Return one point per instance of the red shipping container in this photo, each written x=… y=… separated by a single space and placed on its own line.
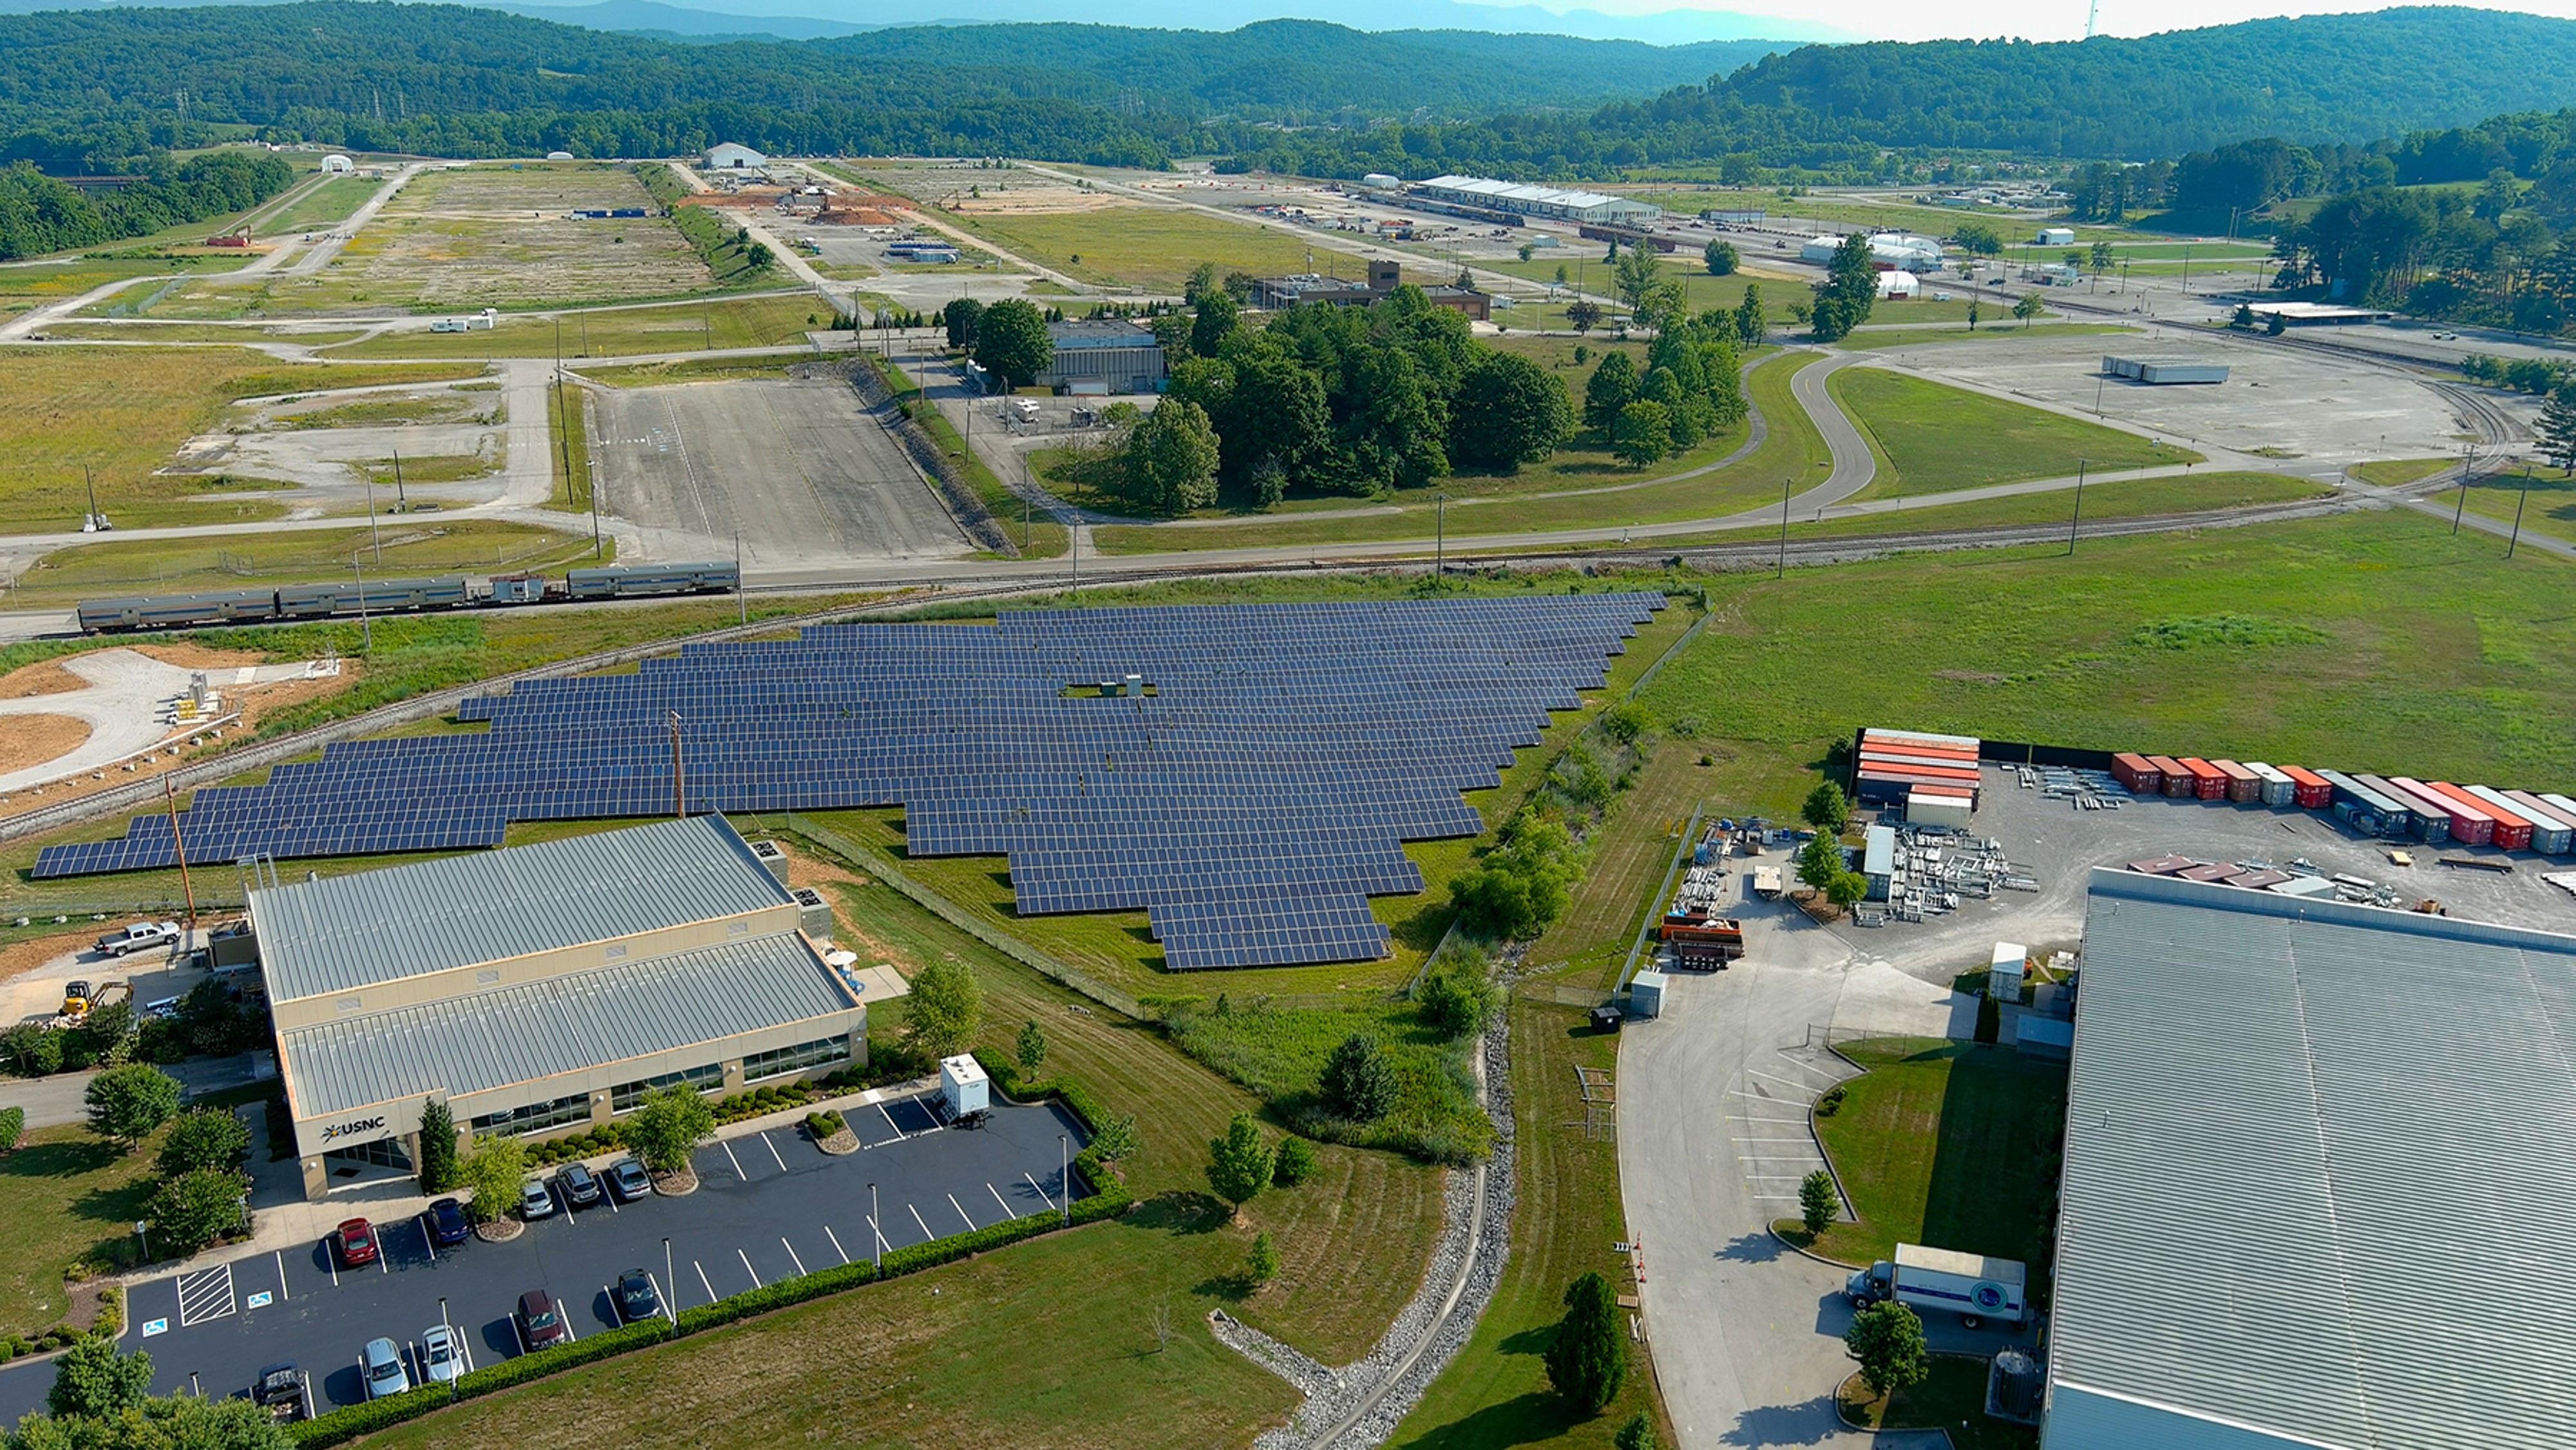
x=2138 y=773
x=2502 y=829
x=2242 y=784
x=2470 y=825
x=2314 y=791
x=2513 y=830
x=2207 y=781
x=2178 y=781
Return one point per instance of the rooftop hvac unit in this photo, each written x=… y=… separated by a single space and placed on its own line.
x=773 y=857
x=813 y=914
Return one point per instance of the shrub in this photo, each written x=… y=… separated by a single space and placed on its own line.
x=1588 y=1358
x=13 y=1126
x=1459 y=999
x=1262 y=1264
x=196 y=1208
x=826 y=1124
x=1293 y=1164
x=203 y=1138
x=1818 y=1201
x=1832 y=1101
x=1358 y=1083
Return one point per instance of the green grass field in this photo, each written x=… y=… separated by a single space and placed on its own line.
x=66 y=1196
x=687 y=370
x=124 y=411
x=1153 y=249
x=1936 y=438
x=2137 y=498
x=33 y=284
x=676 y=327
x=1953 y=1401
x=1987 y=331
x=2393 y=472
x=411 y=545
x=2551 y=508
x=200 y=332
x=1036 y=537
x=1943 y=1143
x=330 y=201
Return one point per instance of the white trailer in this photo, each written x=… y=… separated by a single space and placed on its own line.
x=963 y=1085
x=1972 y=1286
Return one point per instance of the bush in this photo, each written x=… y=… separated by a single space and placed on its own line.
x=825 y=1124
x=203 y=1138
x=1358 y=1084
x=13 y=1126
x=1293 y=1164
x=1832 y=1101
x=1459 y=999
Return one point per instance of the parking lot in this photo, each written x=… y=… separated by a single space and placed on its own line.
x=771 y=1206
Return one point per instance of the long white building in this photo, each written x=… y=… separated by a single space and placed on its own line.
x=1537 y=201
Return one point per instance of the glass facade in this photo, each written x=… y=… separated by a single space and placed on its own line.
x=779 y=1062
x=626 y=1097
x=536 y=1117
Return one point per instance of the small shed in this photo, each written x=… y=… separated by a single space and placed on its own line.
x=2004 y=971
x=336 y=164
x=1646 y=994
x=2057 y=236
x=963 y=1086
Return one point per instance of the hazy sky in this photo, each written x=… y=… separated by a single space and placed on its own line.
x=2027 y=19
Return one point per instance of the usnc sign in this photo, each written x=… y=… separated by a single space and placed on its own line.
x=354 y=1129
x=1989 y=1297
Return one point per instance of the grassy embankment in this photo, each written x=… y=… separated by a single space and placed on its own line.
x=715 y=324
x=1037 y=538
x=1153 y=249
x=400 y=546
x=1932 y=438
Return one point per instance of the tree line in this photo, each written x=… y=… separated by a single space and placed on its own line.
x=39 y=214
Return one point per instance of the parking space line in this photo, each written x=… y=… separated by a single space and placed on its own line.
x=702 y=1280
x=205 y=1295
x=961 y=1212
x=836 y=1243
x=890 y=1122
x=736 y=1162
x=916 y=1218
x=1795 y=1087
x=773 y=1152
x=793 y=1257
x=280 y=1256
x=427 y=1241
x=1737 y=1118
x=747 y=1268
x=331 y=1261
x=1042 y=1193
x=997 y=1198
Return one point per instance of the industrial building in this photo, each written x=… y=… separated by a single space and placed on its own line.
x=1383 y=277
x=2315 y=1178
x=336 y=164
x=1104 y=355
x=1535 y=201
x=726 y=156
x=544 y=987
x=1889 y=251
x=1918 y=770
x=2164 y=371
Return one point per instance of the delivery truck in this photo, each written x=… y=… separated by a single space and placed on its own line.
x=1971 y=1286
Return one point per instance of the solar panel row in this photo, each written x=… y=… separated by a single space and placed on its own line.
x=1251 y=800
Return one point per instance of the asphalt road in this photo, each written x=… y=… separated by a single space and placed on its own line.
x=771 y=1206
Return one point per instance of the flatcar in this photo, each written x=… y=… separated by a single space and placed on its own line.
x=400 y=596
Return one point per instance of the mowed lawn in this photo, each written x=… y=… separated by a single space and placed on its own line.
x=677 y=327
x=2371 y=641
x=63 y=1196
x=1155 y=248
x=1952 y=1400
x=124 y=412
x=1947 y=1144
x=410 y=547
x=2135 y=498
x=2550 y=509
x=1936 y=438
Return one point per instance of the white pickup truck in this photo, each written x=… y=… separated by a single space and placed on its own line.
x=1971 y=1286
x=138 y=936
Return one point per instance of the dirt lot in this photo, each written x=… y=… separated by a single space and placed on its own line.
x=253 y=702
x=1044 y=199
x=797 y=466
x=35 y=739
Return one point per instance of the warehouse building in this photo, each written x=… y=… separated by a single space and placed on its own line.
x=2316 y=1163
x=1536 y=201
x=1104 y=355
x=1888 y=252
x=544 y=988
x=1273 y=293
x=726 y=156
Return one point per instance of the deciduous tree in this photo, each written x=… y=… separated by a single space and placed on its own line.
x=1644 y=433
x=1827 y=809
x=92 y=1381
x=1239 y=1164
x=203 y=1138
x=1171 y=459
x=1509 y=411
x=1011 y=341
x=1032 y=1048
x=1721 y=258
x=1588 y=1358
x=128 y=1103
x=668 y=1127
x=196 y=1208
x=491 y=1175
x=946 y=1006
x=1887 y=1341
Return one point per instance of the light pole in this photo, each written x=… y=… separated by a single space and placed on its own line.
x=670 y=1309
x=2512 y=543
x=373 y=532
x=2468 y=465
x=1440 y=538
x=875 y=1233
x=679 y=781
x=366 y=630
x=402 y=504
x=1782 y=570
x=1064 y=1174
x=2079 y=505
x=91 y=484
x=742 y=602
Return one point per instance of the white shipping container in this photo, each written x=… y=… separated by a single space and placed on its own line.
x=963 y=1084
x=1937 y=808
x=2278 y=788
x=2004 y=971
x=1646 y=994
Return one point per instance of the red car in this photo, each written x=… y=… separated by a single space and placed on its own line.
x=356 y=1241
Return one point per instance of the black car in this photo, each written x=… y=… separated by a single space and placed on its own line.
x=580 y=1186
x=447 y=1225
x=638 y=1299
x=280 y=1391
x=628 y=1180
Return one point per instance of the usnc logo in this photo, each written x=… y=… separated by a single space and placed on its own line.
x=352 y=1128
x=1989 y=1296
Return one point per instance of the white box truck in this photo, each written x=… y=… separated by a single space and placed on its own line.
x=1971 y=1286
x=965 y=1091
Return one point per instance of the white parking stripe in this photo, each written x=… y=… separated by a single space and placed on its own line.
x=880 y=1233
x=916 y=1218
x=736 y=1162
x=747 y=1268
x=773 y=1152
x=891 y=1123
x=1737 y=1118
x=997 y=1198
x=280 y=1256
x=702 y=1280
x=836 y=1243
x=1795 y=1087
x=792 y=1256
x=1042 y=1193
x=961 y=1212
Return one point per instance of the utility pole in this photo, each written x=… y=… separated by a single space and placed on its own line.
x=1440 y=539
x=2079 y=505
x=2468 y=465
x=402 y=505
x=366 y=630
x=679 y=781
x=92 y=486
x=742 y=603
x=170 y=798
x=1782 y=571
x=372 y=531
x=2509 y=545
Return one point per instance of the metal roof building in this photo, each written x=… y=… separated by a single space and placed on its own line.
x=540 y=987
x=1541 y=201
x=2316 y=1181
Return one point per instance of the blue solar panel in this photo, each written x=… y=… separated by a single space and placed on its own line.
x=1251 y=802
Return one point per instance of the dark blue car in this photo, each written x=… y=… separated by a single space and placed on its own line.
x=447 y=1223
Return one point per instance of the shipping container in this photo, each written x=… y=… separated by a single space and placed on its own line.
x=2425 y=820
x=2178 y=781
x=2209 y=873
x=2470 y=825
x=2514 y=831
x=2278 y=788
x=1928 y=762
x=2207 y=781
x=2552 y=832
x=2138 y=773
x=2243 y=785
x=1924 y=737
x=2315 y=792
x=1925 y=806
x=2565 y=806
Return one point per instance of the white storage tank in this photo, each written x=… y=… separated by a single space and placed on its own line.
x=963 y=1086
x=2004 y=971
x=1646 y=994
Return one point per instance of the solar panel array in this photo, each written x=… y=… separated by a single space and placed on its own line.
x=1252 y=800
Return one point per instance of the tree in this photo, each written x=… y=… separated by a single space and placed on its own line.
x=1820 y=861
x=1887 y=1340
x=960 y=317
x=1582 y=314
x=1974 y=312
x=1612 y=386
x=1644 y=433
x=1215 y=321
x=1851 y=284
x=1460 y=1000
x=2244 y=315
x=1239 y=1163
x=1115 y=1138
x=947 y=1003
x=2271 y=328
x=1636 y=275
x=1011 y=341
x=203 y=1138
x=1509 y=411
x=491 y=1175
x=196 y=1208
x=1750 y=325
x=1638 y=1434
x=128 y=1103
x=33 y=1048
x=2028 y=306
x=1171 y=459
x=92 y=1381
x=1826 y=809
x=1032 y=1048
x=1736 y=168
x=173 y=1422
x=13 y=1126
x=1358 y=1082
x=1818 y=1201
x=2556 y=432
x=1526 y=249
x=2102 y=258
x=1721 y=258
x=1560 y=274
x=437 y=1148
x=1262 y=1264
x=1202 y=282
x=1979 y=240
x=1588 y=1358
x=1294 y=1163
x=669 y=1126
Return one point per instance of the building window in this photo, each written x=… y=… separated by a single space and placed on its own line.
x=382 y=1153
x=536 y=1117
x=779 y=1062
x=626 y=1097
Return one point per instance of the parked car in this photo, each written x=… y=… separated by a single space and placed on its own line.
x=628 y=1180
x=540 y=1321
x=280 y=1391
x=447 y=1223
x=136 y=937
x=638 y=1299
x=442 y=1359
x=581 y=1187
x=380 y=1364
x=356 y=1241
x=536 y=1201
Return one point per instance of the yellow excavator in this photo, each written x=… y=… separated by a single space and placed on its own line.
x=82 y=998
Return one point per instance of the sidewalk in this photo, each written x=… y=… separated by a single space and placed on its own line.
x=281 y=1218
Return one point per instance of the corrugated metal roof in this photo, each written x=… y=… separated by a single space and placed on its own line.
x=581 y=1020
x=2317 y=1162
x=346 y=932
